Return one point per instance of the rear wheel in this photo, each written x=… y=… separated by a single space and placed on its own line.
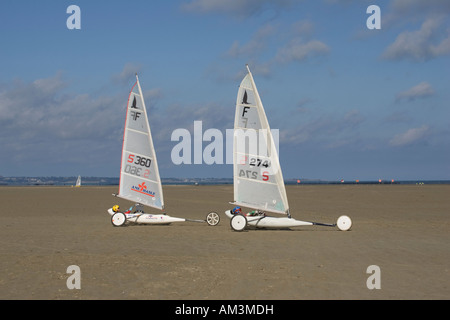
x=213 y=219
x=344 y=223
x=118 y=219
x=238 y=222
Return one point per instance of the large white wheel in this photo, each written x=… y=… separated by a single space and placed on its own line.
x=118 y=219
x=213 y=219
x=238 y=222
x=344 y=223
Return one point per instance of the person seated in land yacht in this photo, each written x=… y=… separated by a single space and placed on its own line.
x=237 y=210
x=138 y=208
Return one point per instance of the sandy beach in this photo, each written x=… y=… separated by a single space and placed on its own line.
x=402 y=229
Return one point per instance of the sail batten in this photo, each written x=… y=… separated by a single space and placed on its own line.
x=149 y=180
x=258 y=180
x=137 y=131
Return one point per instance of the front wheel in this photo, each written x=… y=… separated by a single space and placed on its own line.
x=213 y=219
x=238 y=222
x=118 y=219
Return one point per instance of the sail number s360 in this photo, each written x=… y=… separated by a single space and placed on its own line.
x=142 y=161
x=137 y=170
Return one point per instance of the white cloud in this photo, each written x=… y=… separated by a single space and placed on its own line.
x=295 y=45
x=422 y=90
x=39 y=109
x=353 y=118
x=302 y=28
x=300 y=46
x=299 y=50
x=255 y=45
x=407 y=8
x=271 y=45
x=429 y=42
x=326 y=130
x=410 y=136
x=128 y=72
x=40 y=125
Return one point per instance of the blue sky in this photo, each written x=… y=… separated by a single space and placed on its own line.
x=349 y=102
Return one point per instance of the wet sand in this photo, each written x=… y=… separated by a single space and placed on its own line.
x=403 y=229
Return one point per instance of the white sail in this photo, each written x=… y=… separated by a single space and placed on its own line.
x=78 y=183
x=258 y=181
x=139 y=175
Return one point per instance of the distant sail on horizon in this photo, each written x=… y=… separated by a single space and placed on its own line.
x=78 y=183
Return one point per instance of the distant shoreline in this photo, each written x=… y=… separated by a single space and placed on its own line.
x=108 y=181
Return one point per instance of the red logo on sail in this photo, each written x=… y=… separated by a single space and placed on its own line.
x=142 y=188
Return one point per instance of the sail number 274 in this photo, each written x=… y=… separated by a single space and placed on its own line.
x=140 y=161
x=254 y=162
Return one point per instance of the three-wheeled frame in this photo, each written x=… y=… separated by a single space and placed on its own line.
x=239 y=222
x=135 y=214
